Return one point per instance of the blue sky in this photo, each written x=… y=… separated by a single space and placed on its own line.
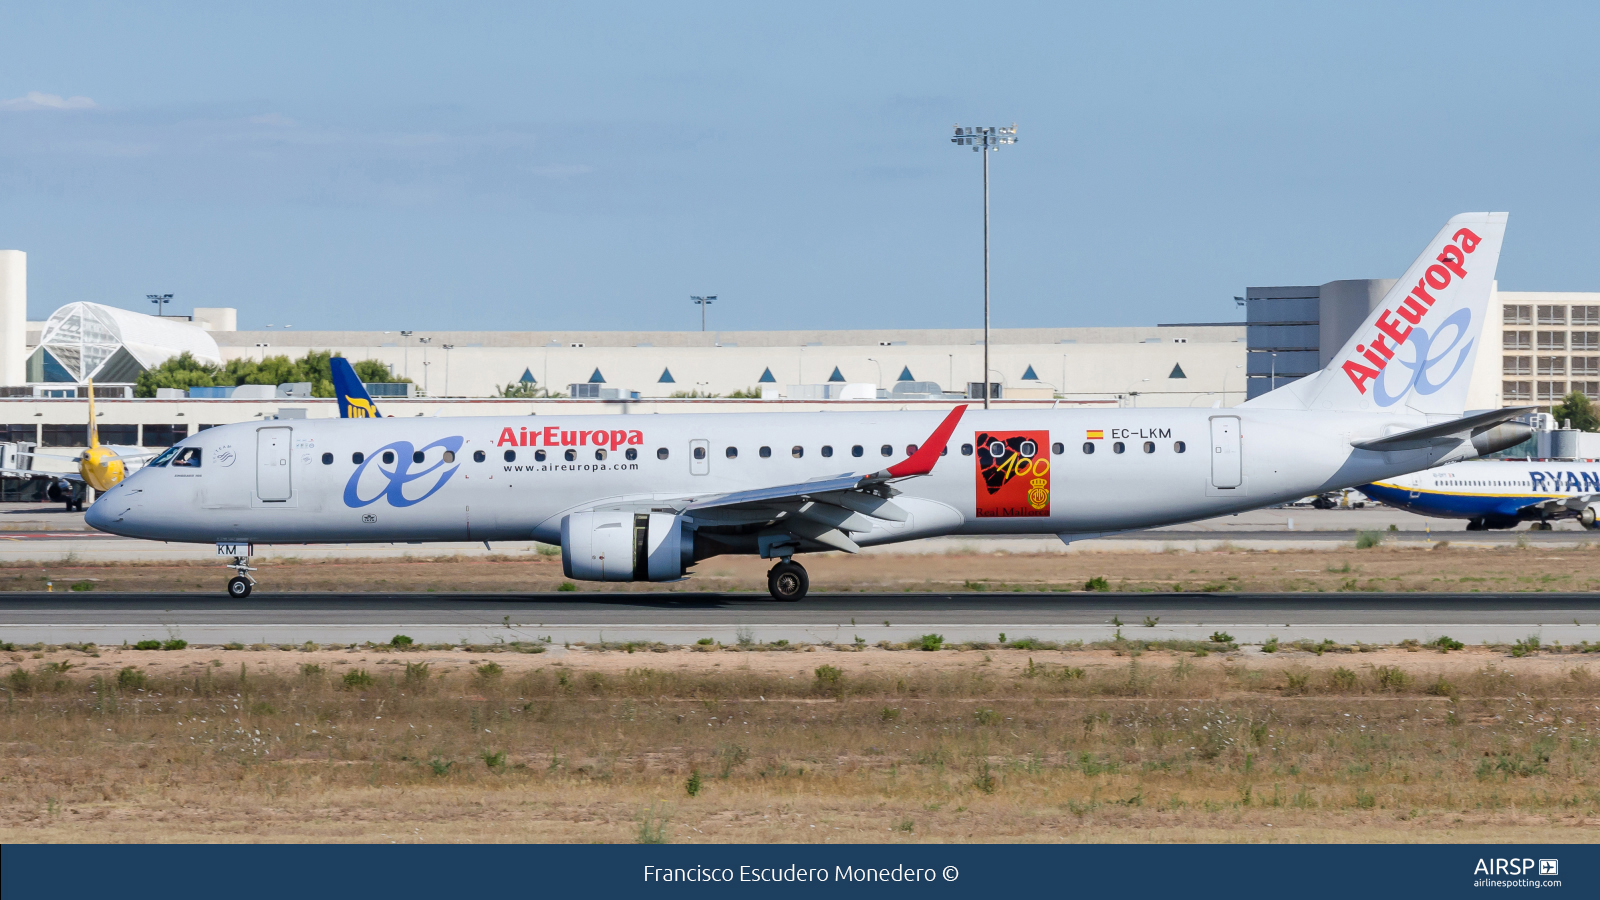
x=590 y=166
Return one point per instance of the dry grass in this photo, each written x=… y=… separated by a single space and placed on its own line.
x=869 y=745
x=1379 y=568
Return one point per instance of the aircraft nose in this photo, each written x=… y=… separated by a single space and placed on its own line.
x=109 y=513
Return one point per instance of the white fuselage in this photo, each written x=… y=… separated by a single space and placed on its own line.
x=300 y=481
x=1500 y=492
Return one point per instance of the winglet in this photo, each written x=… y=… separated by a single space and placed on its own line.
x=921 y=462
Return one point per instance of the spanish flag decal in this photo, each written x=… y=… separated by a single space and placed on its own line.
x=1095 y=434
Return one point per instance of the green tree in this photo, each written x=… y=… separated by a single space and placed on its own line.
x=1577 y=409
x=184 y=371
x=525 y=390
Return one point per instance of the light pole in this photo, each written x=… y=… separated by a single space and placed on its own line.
x=161 y=301
x=703 y=302
x=1274 y=372
x=979 y=139
x=447 y=349
x=880 y=369
x=425 y=342
x=405 y=337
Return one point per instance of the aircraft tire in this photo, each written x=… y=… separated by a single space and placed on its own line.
x=787 y=581
x=239 y=587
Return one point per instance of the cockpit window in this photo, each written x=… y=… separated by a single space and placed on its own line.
x=188 y=457
x=165 y=457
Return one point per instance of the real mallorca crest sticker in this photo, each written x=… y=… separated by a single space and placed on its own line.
x=1013 y=474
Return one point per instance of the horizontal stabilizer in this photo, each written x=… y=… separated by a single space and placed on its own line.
x=1453 y=432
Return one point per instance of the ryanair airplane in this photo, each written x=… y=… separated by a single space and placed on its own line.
x=1494 y=493
x=354 y=401
x=644 y=498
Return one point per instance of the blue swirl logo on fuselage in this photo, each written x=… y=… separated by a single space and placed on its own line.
x=1419 y=365
x=401 y=475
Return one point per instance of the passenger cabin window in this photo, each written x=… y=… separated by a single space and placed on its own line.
x=479 y=456
x=856 y=450
x=1030 y=449
x=797 y=451
x=449 y=456
x=600 y=454
x=357 y=457
x=886 y=450
x=388 y=457
x=827 y=451
x=699 y=453
x=327 y=459
x=1179 y=446
x=416 y=456
x=966 y=449
x=165 y=457
x=631 y=453
x=1119 y=447
x=188 y=457
x=1058 y=448
x=661 y=453
x=1149 y=446
x=1088 y=447
x=911 y=449
x=509 y=456
x=764 y=452
x=732 y=452
x=570 y=455
x=539 y=456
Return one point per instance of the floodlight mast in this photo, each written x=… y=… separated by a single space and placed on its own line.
x=982 y=138
x=703 y=302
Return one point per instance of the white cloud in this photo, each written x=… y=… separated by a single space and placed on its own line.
x=36 y=100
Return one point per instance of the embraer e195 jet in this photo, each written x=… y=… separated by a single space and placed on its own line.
x=643 y=498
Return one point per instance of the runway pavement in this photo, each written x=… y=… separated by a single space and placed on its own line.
x=682 y=618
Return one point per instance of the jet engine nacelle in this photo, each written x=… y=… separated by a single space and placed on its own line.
x=624 y=545
x=1500 y=437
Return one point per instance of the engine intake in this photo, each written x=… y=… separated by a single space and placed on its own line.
x=624 y=545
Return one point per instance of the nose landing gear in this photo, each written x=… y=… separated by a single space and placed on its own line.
x=239 y=586
x=788 y=581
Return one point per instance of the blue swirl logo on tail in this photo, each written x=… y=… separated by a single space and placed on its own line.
x=401 y=475
x=1424 y=358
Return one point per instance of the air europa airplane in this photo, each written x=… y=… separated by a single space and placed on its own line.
x=643 y=498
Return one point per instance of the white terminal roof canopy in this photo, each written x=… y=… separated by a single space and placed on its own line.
x=81 y=341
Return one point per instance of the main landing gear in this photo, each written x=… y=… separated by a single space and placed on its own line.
x=239 y=585
x=788 y=581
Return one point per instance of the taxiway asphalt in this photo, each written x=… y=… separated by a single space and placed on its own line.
x=683 y=618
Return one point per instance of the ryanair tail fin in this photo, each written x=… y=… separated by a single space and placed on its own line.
x=354 y=403
x=1415 y=351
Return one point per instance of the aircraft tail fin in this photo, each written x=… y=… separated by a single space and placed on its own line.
x=94 y=431
x=354 y=402
x=1416 y=350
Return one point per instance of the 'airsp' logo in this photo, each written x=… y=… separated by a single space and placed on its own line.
x=400 y=474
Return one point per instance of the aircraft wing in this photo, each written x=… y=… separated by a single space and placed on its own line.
x=39 y=473
x=1558 y=506
x=827 y=510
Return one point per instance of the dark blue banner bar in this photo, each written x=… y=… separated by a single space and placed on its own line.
x=278 y=872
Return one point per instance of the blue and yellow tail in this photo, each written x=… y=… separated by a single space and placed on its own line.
x=354 y=402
